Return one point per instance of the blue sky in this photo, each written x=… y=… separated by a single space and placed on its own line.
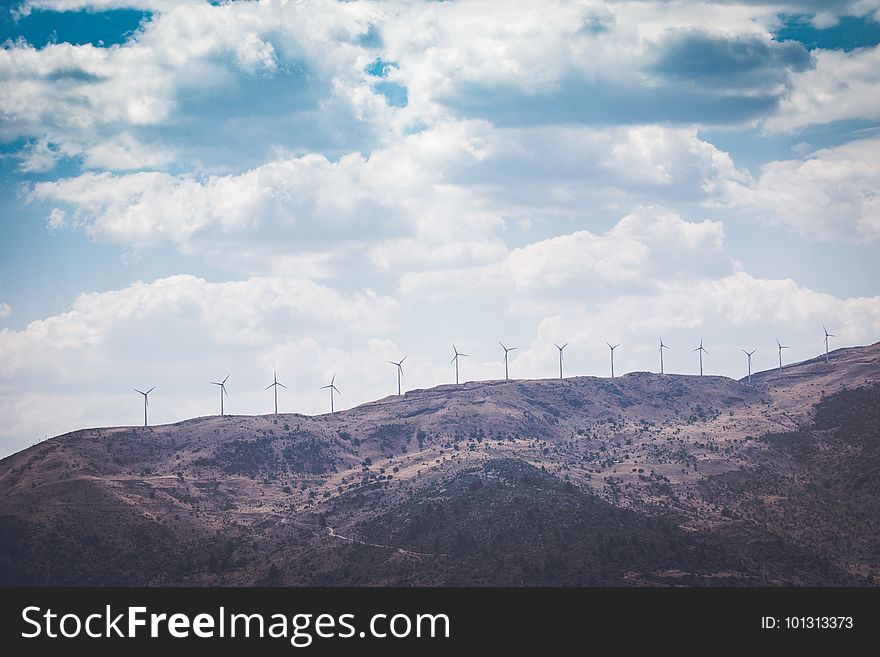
x=192 y=189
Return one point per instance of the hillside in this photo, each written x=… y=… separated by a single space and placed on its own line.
x=643 y=480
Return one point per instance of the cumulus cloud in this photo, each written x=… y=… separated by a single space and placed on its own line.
x=831 y=194
x=396 y=193
x=123 y=152
x=842 y=85
x=444 y=195
x=740 y=61
x=98 y=328
x=647 y=245
x=5 y=310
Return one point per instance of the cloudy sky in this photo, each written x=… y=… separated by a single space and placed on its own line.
x=196 y=189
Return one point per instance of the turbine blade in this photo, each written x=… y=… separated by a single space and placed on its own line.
x=453 y=358
x=151 y=390
x=465 y=355
x=281 y=384
x=224 y=380
x=512 y=349
x=140 y=391
x=333 y=380
x=225 y=392
x=269 y=386
x=502 y=345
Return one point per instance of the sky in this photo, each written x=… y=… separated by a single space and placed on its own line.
x=197 y=189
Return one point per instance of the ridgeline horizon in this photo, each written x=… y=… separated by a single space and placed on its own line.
x=751 y=379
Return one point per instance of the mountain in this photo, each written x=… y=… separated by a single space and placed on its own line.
x=645 y=479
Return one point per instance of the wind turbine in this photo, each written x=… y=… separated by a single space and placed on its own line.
x=749 y=355
x=662 y=347
x=399 y=366
x=560 y=356
x=275 y=385
x=506 y=350
x=146 y=403
x=333 y=388
x=701 y=350
x=455 y=358
x=612 y=356
x=781 y=347
x=827 y=335
x=222 y=385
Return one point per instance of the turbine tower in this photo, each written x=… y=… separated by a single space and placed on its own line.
x=612 y=348
x=275 y=385
x=399 y=366
x=560 y=356
x=222 y=385
x=702 y=351
x=146 y=403
x=333 y=389
x=662 y=347
x=506 y=351
x=749 y=356
x=827 y=335
x=781 y=347
x=455 y=358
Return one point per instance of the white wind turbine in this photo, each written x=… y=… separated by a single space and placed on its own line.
x=781 y=347
x=146 y=403
x=827 y=335
x=455 y=358
x=560 y=356
x=702 y=351
x=399 y=366
x=749 y=356
x=333 y=388
x=275 y=385
x=222 y=385
x=662 y=347
x=612 y=348
x=506 y=351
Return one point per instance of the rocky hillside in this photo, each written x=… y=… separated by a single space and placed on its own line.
x=643 y=480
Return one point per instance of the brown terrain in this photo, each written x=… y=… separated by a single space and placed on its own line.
x=641 y=480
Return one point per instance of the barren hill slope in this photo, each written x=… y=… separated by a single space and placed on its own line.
x=644 y=479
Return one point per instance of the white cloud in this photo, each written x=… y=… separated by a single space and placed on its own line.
x=100 y=327
x=665 y=157
x=56 y=219
x=256 y=56
x=41 y=155
x=842 y=85
x=5 y=310
x=649 y=244
x=833 y=194
x=123 y=152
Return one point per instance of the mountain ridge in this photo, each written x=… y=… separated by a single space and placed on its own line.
x=251 y=499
